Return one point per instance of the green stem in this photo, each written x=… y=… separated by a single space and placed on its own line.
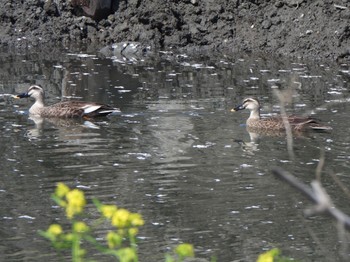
x=100 y=247
x=76 y=254
x=133 y=245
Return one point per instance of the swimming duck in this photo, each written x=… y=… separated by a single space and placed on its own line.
x=67 y=109
x=297 y=123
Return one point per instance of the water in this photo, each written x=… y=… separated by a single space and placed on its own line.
x=176 y=153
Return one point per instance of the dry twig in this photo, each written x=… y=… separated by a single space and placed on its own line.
x=316 y=194
x=286 y=124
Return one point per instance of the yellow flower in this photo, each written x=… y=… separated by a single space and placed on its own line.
x=76 y=198
x=121 y=218
x=80 y=227
x=108 y=210
x=113 y=239
x=133 y=231
x=136 y=220
x=268 y=256
x=75 y=202
x=184 y=250
x=55 y=229
x=68 y=237
x=127 y=254
x=61 y=190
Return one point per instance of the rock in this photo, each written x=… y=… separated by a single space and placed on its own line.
x=50 y=8
x=126 y=51
x=266 y=24
x=293 y=3
x=279 y=4
x=96 y=9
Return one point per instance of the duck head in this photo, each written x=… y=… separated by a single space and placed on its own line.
x=252 y=104
x=249 y=103
x=34 y=91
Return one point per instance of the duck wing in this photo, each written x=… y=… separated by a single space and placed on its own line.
x=71 y=109
x=297 y=123
x=96 y=110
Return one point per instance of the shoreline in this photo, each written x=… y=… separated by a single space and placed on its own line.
x=317 y=30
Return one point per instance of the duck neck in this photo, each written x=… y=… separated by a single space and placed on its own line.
x=37 y=106
x=254 y=114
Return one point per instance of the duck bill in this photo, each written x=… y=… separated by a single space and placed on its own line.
x=23 y=95
x=237 y=108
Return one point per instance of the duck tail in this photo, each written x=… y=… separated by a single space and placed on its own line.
x=318 y=127
x=109 y=111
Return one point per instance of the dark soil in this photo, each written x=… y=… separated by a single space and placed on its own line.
x=317 y=29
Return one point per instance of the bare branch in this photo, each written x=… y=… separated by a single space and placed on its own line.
x=320 y=166
x=340 y=184
x=316 y=194
x=285 y=123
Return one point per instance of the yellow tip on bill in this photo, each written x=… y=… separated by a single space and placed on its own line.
x=232 y=110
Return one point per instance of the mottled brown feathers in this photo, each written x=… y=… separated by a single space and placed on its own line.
x=296 y=123
x=67 y=109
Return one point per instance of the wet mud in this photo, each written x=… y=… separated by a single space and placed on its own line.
x=318 y=29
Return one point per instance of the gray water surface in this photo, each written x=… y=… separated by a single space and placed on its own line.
x=176 y=153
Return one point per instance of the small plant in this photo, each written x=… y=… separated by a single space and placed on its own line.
x=120 y=241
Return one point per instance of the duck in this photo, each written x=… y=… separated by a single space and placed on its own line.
x=65 y=109
x=297 y=123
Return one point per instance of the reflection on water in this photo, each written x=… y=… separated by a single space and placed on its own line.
x=175 y=153
x=76 y=126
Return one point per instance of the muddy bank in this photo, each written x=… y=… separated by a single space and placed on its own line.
x=311 y=29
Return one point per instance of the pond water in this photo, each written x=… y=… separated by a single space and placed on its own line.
x=175 y=153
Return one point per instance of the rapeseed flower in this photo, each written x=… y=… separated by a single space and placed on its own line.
x=127 y=254
x=61 y=190
x=120 y=218
x=136 y=220
x=55 y=229
x=133 y=231
x=108 y=210
x=184 y=250
x=113 y=239
x=269 y=256
x=80 y=227
x=69 y=237
x=75 y=202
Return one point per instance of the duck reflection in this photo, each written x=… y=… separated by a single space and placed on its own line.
x=250 y=146
x=256 y=135
x=62 y=124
